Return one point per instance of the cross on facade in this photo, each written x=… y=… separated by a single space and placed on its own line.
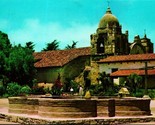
x=146 y=74
x=146 y=67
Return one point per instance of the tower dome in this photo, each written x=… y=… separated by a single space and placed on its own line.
x=109 y=19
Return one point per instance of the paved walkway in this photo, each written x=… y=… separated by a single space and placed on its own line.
x=4 y=108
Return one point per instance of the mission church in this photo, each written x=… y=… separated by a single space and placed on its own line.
x=109 y=52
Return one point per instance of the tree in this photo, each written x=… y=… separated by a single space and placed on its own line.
x=5 y=47
x=52 y=46
x=71 y=46
x=20 y=65
x=5 y=44
x=133 y=82
x=16 y=62
x=30 y=45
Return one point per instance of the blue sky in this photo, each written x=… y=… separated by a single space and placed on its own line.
x=42 y=21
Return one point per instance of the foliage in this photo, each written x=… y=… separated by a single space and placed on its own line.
x=25 y=90
x=5 y=44
x=105 y=81
x=71 y=46
x=151 y=93
x=56 y=91
x=74 y=85
x=98 y=90
x=54 y=45
x=46 y=90
x=30 y=45
x=13 y=89
x=133 y=82
x=140 y=93
x=2 y=90
x=20 y=65
x=5 y=95
x=105 y=86
x=38 y=90
x=5 y=47
x=17 y=62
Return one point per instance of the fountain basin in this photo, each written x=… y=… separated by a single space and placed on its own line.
x=80 y=108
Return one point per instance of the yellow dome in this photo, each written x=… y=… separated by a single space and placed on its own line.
x=109 y=19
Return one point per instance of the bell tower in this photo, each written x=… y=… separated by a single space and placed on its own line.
x=109 y=39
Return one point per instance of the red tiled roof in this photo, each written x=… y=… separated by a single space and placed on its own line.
x=127 y=58
x=127 y=72
x=58 y=57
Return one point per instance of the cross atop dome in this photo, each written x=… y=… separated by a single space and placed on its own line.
x=108 y=9
x=108 y=3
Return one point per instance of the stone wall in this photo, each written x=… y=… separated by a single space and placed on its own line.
x=62 y=108
x=132 y=107
x=80 y=108
x=23 y=105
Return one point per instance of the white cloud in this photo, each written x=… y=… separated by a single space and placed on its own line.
x=33 y=30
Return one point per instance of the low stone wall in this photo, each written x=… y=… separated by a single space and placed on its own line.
x=105 y=107
x=62 y=108
x=80 y=108
x=23 y=105
x=132 y=107
x=18 y=105
x=32 y=106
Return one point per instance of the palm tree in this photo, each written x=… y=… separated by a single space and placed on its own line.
x=30 y=45
x=54 y=45
x=71 y=46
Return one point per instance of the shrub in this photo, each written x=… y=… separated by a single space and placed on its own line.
x=56 y=91
x=140 y=93
x=25 y=90
x=151 y=93
x=98 y=90
x=38 y=90
x=46 y=90
x=5 y=95
x=57 y=88
x=13 y=89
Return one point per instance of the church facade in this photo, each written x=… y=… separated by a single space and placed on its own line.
x=109 y=39
x=113 y=54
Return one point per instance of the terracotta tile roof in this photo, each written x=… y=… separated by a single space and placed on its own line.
x=127 y=58
x=58 y=57
x=127 y=72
